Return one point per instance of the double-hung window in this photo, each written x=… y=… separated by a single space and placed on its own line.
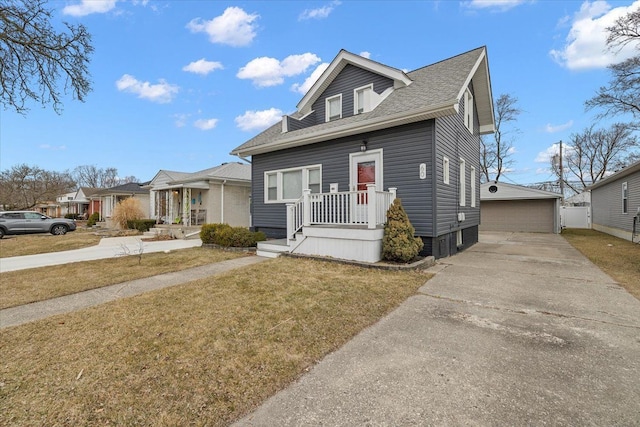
x=362 y=99
x=334 y=108
x=286 y=185
x=445 y=170
x=625 y=198
x=472 y=181
x=463 y=183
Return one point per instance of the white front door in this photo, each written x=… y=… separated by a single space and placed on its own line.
x=364 y=168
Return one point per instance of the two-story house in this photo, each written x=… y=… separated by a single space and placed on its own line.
x=365 y=133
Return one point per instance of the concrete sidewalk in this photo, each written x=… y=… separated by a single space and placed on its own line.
x=39 y=310
x=520 y=329
x=108 y=247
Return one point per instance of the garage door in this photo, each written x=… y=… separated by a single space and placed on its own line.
x=534 y=216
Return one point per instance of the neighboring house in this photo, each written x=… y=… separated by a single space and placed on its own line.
x=66 y=204
x=78 y=202
x=365 y=133
x=221 y=194
x=615 y=203
x=110 y=197
x=509 y=207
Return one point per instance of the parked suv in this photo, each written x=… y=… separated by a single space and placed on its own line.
x=22 y=222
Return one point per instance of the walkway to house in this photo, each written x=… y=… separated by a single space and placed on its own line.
x=39 y=310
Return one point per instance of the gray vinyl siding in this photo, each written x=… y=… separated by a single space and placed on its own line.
x=349 y=79
x=293 y=124
x=606 y=203
x=404 y=149
x=454 y=141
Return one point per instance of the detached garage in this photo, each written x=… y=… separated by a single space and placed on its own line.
x=508 y=207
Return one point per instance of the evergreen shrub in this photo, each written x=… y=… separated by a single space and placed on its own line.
x=226 y=236
x=93 y=218
x=399 y=242
x=141 y=224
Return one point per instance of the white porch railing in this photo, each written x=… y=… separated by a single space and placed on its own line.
x=346 y=208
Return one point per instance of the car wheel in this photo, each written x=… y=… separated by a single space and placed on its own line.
x=59 y=230
x=1 y=233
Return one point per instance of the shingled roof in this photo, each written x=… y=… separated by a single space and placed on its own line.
x=434 y=91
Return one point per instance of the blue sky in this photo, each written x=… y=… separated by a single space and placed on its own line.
x=178 y=84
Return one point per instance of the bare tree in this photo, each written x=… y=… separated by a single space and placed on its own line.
x=496 y=152
x=594 y=153
x=93 y=176
x=622 y=96
x=24 y=186
x=34 y=56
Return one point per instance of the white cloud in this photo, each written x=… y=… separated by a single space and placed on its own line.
x=549 y=128
x=500 y=5
x=304 y=87
x=585 y=45
x=53 y=147
x=202 y=66
x=365 y=54
x=319 y=13
x=161 y=93
x=205 y=124
x=265 y=71
x=258 y=120
x=234 y=27
x=87 y=7
x=546 y=155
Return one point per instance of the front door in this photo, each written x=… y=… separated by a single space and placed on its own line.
x=365 y=168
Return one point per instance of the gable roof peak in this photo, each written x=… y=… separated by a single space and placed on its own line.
x=342 y=59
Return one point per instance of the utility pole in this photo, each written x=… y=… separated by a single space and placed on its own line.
x=561 y=176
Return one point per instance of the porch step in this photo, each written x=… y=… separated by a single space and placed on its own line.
x=272 y=248
x=153 y=232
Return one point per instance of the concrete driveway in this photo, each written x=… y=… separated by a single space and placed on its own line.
x=520 y=329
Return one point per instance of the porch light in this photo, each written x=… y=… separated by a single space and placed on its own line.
x=363 y=145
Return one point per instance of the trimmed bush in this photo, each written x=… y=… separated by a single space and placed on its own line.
x=141 y=224
x=230 y=237
x=127 y=210
x=93 y=218
x=399 y=243
x=72 y=216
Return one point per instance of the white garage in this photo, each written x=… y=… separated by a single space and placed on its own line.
x=508 y=207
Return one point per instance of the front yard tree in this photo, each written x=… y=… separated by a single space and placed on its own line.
x=24 y=186
x=496 y=150
x=35 y=57
x=399 y=242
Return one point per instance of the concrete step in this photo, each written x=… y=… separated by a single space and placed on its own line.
x=268 y=253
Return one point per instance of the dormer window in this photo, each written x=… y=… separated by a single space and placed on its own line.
x=362 y=99
x=334 y=108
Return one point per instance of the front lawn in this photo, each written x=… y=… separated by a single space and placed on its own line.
x=202 y=354
x=619 y=258
x=30 y=244
x=38 y=284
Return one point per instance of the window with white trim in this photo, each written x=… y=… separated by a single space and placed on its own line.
x=286 y=185
x=362 y=99
x=445 y=170
x=468 y=110
x=472 y=179
x=463 y=184
x=625 y=198
x=333 y=108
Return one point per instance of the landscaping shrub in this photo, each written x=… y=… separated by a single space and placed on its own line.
x=141 y=224
x=399 y=242
x=227 y=236
x=93 y=218
x=72 y=216
x=127 y=210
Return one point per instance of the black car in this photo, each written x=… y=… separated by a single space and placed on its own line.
x=23 y=222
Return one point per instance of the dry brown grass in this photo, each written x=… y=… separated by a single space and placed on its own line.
x=203 y=353
x=618 y=258
x=38 y=284
x=30 y=244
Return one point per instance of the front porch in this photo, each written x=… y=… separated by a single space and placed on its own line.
x=347 y=225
